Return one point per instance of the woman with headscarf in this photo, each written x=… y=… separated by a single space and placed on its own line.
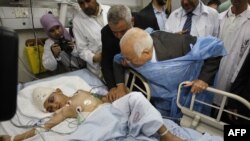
x=60 y=52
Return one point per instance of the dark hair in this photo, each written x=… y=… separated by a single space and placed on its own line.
x=217 y=2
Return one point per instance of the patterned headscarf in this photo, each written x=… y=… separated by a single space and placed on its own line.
x=48 y=21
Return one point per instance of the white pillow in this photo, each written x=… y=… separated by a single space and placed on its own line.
x=68 y=84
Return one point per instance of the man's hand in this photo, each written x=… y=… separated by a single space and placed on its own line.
x=182 y=32
x=111 y=94
x=116 y=93
x=97 y=57
x=197 y=86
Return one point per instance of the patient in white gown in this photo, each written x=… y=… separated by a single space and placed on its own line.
x=131 y=117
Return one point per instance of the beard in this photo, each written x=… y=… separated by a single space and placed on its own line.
x=89 y=11
x=161 y=2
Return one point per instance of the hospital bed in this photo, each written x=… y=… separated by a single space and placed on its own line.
x=85 y=80
x=26 y=116
x=204 y=123
x=135 y=82
x=191 y=118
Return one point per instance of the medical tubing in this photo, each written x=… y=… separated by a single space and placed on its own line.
x=40 y=129
x=39 y=133
x=30 y=124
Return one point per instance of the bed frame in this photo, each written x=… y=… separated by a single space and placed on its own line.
x=192 y=119
x=204 y=123
x=136 y=82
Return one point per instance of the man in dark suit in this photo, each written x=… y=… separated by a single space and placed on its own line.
x=154 y=15
x=241 y=87
x=150 y=56
x=119 y=21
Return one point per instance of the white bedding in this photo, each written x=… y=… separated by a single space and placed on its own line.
x=131 y=118
x=68 y=84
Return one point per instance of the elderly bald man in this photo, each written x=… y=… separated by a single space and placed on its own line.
x=166 y=59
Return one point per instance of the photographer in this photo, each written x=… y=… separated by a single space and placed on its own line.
x=60 y=54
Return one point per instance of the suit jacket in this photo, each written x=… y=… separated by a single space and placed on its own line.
x=241 y=87
x=146 y=18
x=169 y=46
x=110 y=47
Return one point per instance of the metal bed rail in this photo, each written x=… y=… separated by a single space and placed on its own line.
x=131 y=81
x=203 y=123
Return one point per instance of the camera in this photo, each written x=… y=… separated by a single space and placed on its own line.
x=63 y=43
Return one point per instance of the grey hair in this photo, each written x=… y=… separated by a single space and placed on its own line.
x=119 y=12
x=141 y=40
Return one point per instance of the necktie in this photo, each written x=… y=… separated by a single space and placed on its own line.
x=188 y=23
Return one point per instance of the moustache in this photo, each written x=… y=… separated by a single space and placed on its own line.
x=161 y=2
x=89 y=11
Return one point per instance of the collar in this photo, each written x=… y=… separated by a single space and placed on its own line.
x=153 y=59
x=230 y=13
x=242 y=14
x=158 y=11
x=199 y=10
x=100 y=9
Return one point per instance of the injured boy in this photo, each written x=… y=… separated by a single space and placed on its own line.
x=131 y=117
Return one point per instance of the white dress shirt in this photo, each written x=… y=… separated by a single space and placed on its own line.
x=235 y=32
x=205 y=21
x=161 y=17
x=87 y=32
